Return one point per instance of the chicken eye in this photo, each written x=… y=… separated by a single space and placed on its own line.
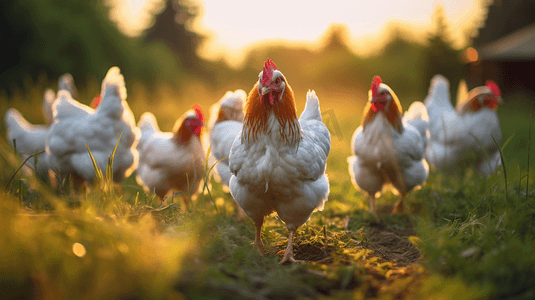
x=278 y=81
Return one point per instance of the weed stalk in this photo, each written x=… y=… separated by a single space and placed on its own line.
x=504 y=171
x=529 y=146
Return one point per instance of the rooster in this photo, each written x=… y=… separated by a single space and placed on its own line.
x=77 y=127
x=388 y=148
x=226 y=124
x=169 y=160
x=278 y=162
x=466 y=129
x=29 y=138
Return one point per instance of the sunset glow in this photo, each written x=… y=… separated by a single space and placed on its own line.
x=235 y=25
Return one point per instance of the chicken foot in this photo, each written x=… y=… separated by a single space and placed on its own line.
x=258 y=239
x=289 y=252
x=398 y=206
x=372 y=206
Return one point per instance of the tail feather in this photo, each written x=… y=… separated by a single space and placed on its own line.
x=417 y=116
x=66 y=107
x=30 y=138
x=234 y=100
x=462 y=92
x=48 y=100
x=230 y=105
x=113 y=84
x=66 y=82
x=16 y=125
x=312 y=108
x=438 y=98
x=148 y=122
x=416 y=112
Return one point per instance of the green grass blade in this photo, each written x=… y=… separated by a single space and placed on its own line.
x=188 y=191
x=20 y=194
x=508 y=140
x=110 y=164
x=98 y=172
x=529 y=147
x=20 y=167
x=504 y=169
x=207 y=177
x=35 y=161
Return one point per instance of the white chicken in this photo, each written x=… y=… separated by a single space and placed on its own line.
x=225 y=124
x=29 y=138
x=169 y=160
x=388 y=148
x=278 y=162
x=466 y=130
x=77 y=125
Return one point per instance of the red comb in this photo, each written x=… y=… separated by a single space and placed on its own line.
x=199 y=112
x=493 y=87
x=375 y=86
x=95 y=102
x=267 y=72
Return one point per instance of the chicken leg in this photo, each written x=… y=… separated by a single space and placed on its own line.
x=258 y=239
x=372 y=206
x=289 y=252
x=398 y=206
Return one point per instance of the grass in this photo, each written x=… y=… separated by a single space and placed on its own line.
x=475 y=243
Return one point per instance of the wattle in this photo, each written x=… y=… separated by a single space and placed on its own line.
x=271 y=96
x=377 y=107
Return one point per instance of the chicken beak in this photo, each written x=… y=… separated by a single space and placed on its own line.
x=373 y=99
x=499 y=99
x=265 y=90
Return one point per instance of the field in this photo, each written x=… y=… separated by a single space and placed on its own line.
x=462 y=237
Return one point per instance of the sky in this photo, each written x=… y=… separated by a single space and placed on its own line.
x=236 y=25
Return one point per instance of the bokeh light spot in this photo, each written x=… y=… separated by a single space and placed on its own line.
x=471 y=54
x=78 y=250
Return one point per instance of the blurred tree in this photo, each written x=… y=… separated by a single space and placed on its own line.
x=336 y=38
x=397 y=63
x=75 y=36
x=440 y=57
x=173 y=27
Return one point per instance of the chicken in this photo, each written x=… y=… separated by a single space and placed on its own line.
x=169 y=160
x=466 y=130
x=65 y=82
x=388 y=148
x=77 y=126
x=226 y=124
x=29 y=138
x=278 y=162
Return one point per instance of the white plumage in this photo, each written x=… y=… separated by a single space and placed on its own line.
x=225 y=124
x=29 y=138
x=388 y=149
x=278 y=162
x=168 y=160
x=466 y=130
x=76 y=125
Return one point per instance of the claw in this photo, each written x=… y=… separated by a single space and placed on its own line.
x=289 y=253
x=259 y=245
x=288 y=259
x=398 y=206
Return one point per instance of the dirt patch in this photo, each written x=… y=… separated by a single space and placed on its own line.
x=310 y=252
x=392 y=247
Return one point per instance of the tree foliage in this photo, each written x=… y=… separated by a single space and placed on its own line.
x=75 y=36
x=440 y=56
x=173 y=27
